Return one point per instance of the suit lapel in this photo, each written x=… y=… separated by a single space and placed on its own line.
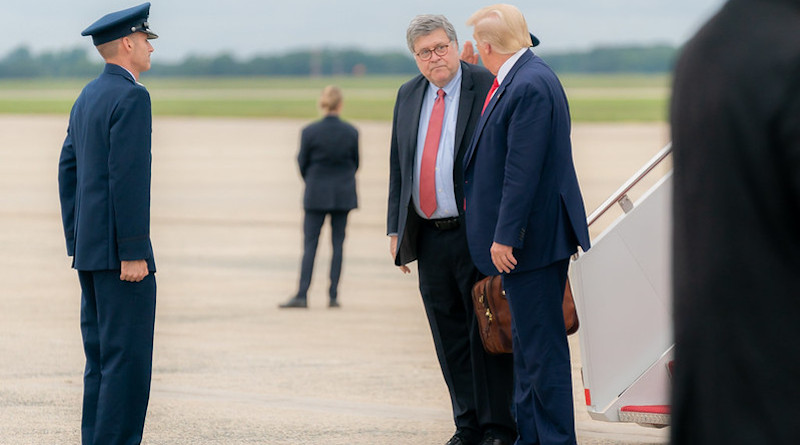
x=479 y=129
x=414 y=109
x=464 y=106
x=492 y=103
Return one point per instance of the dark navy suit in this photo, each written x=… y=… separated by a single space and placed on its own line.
x=328 y=160
x=522 y=191
x=104 y=187
x=480 y=384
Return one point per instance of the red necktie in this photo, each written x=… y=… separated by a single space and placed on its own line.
x=489 y=96
x=427 y=172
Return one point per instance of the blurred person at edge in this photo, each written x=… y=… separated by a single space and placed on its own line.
x=434 y=117
x=328 y=161
x=735 y=119
x=104 y=189
x=525 y=216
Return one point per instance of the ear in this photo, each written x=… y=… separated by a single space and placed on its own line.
x=127 y=43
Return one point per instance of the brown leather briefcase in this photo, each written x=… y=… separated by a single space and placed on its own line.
x=494 y=315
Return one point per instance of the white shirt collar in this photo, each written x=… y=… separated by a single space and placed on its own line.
x=132 y=76
x=506 y=67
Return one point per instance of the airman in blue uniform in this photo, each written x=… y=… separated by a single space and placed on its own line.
x=104 y=187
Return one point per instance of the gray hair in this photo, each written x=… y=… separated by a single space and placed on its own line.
x=422 y=25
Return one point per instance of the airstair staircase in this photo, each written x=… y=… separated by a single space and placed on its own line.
x=622 y=290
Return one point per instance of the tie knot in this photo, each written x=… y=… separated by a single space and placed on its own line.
x=440 y=93
x=495 y=84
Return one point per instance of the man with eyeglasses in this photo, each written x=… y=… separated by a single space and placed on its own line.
x=434 y=118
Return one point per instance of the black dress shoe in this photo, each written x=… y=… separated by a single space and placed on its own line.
x=294 y=302
x=491 y=439
x=334 y=304
x=456 y=440
x=460 y=439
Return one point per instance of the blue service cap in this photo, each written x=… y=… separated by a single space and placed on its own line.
x=120 y=24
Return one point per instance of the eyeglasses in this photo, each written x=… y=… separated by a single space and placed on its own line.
x=440 y=50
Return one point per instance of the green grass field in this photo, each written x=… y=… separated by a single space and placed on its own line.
x=606 y=98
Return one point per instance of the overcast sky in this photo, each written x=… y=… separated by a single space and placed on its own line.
x=248 y=27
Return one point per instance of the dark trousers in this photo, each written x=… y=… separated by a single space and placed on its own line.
x=481 y=385
x=312 y=225
x=543 y=383
x=117 y=321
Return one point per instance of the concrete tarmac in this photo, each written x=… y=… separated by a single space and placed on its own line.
x=229 y=367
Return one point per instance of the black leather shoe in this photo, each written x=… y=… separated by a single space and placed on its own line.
x=294 y=303
x=456 y=440
x=334 y=304
x=491 y=439
x=459 y=439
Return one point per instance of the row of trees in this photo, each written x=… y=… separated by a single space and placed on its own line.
x=22 y=63
x=651 y=59
x=299 y=63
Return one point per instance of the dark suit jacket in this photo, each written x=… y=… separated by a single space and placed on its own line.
x=328 y=161
x=520 y=181
x=402 y=218
x=736 y=136
x=104 y=174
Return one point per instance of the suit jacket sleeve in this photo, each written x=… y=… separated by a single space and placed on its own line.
x=356 y=150
x=67 y=184
x=129 y=163
x=395 y=178
x=303 y=155
x=528 y=141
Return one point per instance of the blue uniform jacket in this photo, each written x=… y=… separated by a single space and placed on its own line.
x=104 y=174
x=520 y=183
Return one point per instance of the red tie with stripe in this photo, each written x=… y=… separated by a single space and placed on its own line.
x=427 y=171
x=489 y=96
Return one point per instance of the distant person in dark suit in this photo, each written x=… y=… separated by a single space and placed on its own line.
x=328 y=161
x=735 y=117
x=104 y=188
x=434 y=118
x=525 y=216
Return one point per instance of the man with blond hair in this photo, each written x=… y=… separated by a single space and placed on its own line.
x=525 y=216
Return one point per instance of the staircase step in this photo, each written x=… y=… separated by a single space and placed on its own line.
x=648 y=415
